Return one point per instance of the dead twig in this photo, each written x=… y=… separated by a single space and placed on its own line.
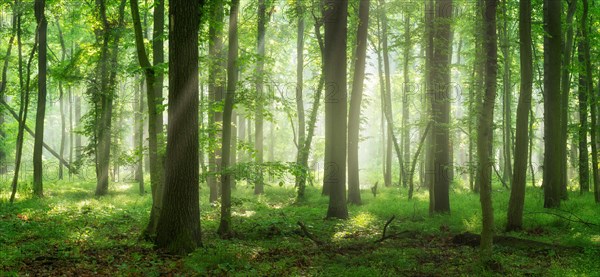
x=576 y=220
x=384 y=236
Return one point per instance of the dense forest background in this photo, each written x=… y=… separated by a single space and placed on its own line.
x=212 y=137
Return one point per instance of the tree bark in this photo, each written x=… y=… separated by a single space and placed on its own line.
x=225 y=230
x=335 y=16
x=507 y=97
x=517 y=193
x=138 y=136
x=553 y=174
x=485 y=129
x=405 y=99
x=215 y=92
x=388 y=88
x=259 y=137
x=439 y=94
x=178 y=229
x=39 y=7
x=355 y=104
x=565 y=91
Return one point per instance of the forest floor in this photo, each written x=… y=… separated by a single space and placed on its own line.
x=72 y=233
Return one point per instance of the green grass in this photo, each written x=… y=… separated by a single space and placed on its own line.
x=71 y=232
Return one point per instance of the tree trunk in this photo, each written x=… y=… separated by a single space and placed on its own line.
x=565 y=91
x=553 y=174
x=485 y=129
x=154 y=81
x=178 y=229
x=138 y=136
x=335 y=12
x=303 y=155
x=355 y=104
x=39 y=6
x=259 y=137
x=107 y=70
x=584 y=166
x=405 y=102
x=215 y=93
x=439 y=93
x=300 y=92
x=517 y=193
x=507 y=97
x=225 y=230
x=63 y=135
x=388 y=88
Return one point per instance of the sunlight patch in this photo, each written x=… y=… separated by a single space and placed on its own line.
x=595 y=239
x=244 y=214
x=363 y=220
x=123 y=186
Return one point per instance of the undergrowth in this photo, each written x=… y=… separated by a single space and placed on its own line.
x=71 y=232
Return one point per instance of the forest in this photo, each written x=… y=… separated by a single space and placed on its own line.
x=299 y=137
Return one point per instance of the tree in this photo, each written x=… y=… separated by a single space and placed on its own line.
x=405 y=96
x=300 y=86
x=387 y=100
x=225 y=230
x=565 y=91
x=485 y=128
x=507 y=96
x=154 y=80
x=178 y=229
x=517 y=193
x=103 y=92
x=583 y=92
x=260 y=64
x=215 y=92
x=39 y=7
x=335 y=14
x=439 y=93
x=553 y=174
x=355 y=103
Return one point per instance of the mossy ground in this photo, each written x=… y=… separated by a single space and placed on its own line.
x=71 y=232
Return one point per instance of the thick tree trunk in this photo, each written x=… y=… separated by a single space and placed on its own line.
x=439 y=90
x=39 y=6
x=565 y=91
x=178 y=229
x=553 y=174
x=485 y=128
x=259 y=124
x=517 y=193
x=355 y=104
x=584 y=164
x=335 y=12
x=225 y=230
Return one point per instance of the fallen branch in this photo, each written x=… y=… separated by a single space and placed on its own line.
x=309 y=235
x=473 y=240
x=383 y=236
x=576 y=220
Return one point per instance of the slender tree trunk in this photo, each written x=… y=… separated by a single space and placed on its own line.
x=430 y=150
x=553 y=174
x=405 y=102
x=300 y=92
x=388 y=87
x=259 y=137
x=304 y=154
x=584 y=167
x=486 y=132
x=39 y=7
x=215 y=92
x=225 y=230
x=517 y=193
x=507 y=97
x=178 y=229
x=63 y=135
x=336 y=12
x=355 y=104
x=565 y=91
x=138 y=136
